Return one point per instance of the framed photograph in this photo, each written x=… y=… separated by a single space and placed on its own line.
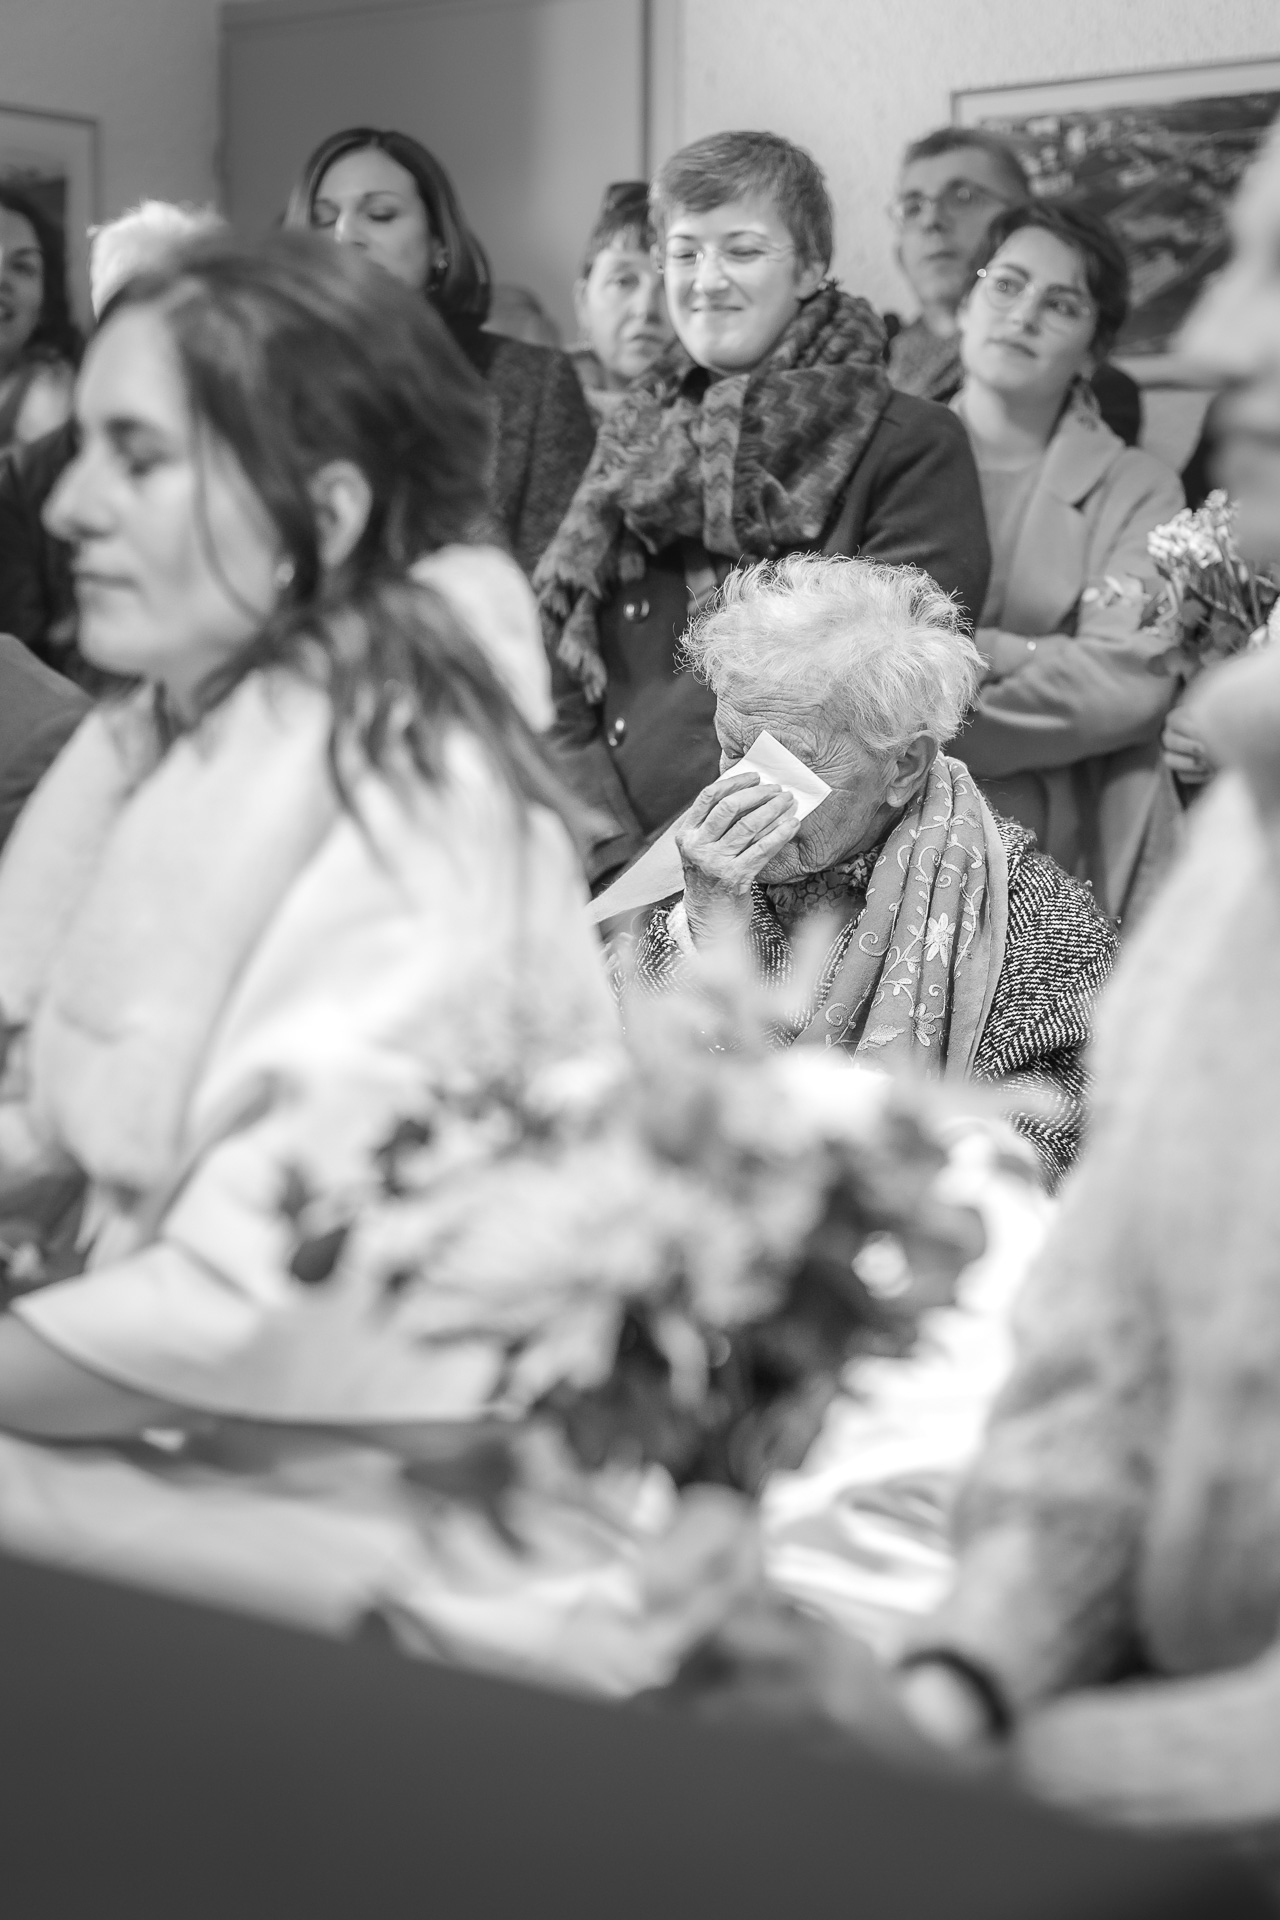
x=53 y=157
x=1160 y=154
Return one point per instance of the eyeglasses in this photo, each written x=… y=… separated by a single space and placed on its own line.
x=957 y=197
x=683 y=258
x=1005 y=290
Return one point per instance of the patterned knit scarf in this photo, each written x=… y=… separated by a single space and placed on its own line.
x=751 y=466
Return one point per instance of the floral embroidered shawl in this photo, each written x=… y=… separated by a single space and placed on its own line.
x=911 y=981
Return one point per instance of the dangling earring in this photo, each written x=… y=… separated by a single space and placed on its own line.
x=439 y=268
x=284 y=574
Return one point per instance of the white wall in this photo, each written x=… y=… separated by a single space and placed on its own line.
x=855 y=80
x=146 y=70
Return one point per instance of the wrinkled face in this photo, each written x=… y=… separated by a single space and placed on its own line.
x=21 y=284
x=622 y=310
x=734 y=282
x=1027 y=328
x=174 y=556
x=854 y=813
x=944 y=208
x=1235 y=334
x=368 y=200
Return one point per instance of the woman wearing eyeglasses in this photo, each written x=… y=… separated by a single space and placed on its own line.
x=769 y=427
x=955 y=182
x=1066 y=734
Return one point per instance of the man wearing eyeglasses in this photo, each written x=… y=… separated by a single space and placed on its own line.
x=954 y=183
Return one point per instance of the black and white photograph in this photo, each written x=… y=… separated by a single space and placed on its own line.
x=639 y=959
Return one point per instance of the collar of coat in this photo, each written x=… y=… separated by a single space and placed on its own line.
x=1050 y=559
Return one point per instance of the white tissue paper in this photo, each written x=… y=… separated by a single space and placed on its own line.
x=658 y=874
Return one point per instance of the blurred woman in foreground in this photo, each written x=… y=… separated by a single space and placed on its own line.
x=261 y=901
x=1118 y=1589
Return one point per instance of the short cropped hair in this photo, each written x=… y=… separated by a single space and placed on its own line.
x=623 y=220
x=879 y=653
x=138 y=239
x=931 y=146
x=1106 y=271
x=727 y=166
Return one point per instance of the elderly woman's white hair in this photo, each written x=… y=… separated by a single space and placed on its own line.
x=139 y=239
x=873 y=651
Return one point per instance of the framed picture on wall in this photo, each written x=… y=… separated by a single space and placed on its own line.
x=53 y=157
x=1159 y=153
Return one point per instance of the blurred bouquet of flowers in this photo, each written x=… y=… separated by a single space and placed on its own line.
x=667 y=1259
x=1211 y=603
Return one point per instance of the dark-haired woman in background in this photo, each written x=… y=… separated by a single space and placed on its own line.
x=39 y=341
x=1066 y=734
x=386 y=194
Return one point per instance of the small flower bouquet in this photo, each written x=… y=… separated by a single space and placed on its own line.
x=666 y=1260
x=1211 y=604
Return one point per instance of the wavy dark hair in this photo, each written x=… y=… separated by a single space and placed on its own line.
x=1106 y=271
x=462 y=291
x=295 y=353
x=55 y=330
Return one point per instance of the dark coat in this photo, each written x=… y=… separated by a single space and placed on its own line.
x=643 y=755
x=36 y=599
x=545 y=435
x=39 y=711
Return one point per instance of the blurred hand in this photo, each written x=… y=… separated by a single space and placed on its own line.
x=1185 y=752
x=770 y=1664
x=944 y=1706
x=729 y=835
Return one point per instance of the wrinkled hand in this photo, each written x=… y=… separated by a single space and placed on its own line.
x=729 y=835
x=1185 y=752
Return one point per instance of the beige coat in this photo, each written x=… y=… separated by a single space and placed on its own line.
x=1069 y=744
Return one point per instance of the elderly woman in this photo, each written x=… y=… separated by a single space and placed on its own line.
x=952 y=944
x=770 y=427
x=618 y=298
x=1066 y=735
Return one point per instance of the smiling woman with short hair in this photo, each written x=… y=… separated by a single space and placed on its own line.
x=769 y=427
